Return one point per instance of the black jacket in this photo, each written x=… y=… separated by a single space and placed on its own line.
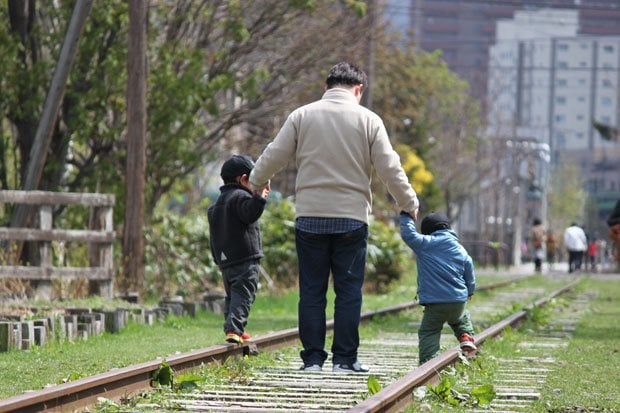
x=233 y=225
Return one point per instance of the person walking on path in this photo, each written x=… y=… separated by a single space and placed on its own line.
x=576 y=244
x=446 y=281
x=538 y=244
x=236 y=243
x=335 y=143
x=551 y=246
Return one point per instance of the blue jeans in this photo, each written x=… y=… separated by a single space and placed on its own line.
x=345 y=256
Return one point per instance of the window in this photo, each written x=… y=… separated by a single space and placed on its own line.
x=606 y=82
x=580 y=117
x=580 y=135
x=583 y=45
x=606 y=101
x=562 y=65
x=608 y=49
x=581 y=99
x=563 y=47
x=582 y=81
x=560 y=100
x=559 y=119
x=561 y=82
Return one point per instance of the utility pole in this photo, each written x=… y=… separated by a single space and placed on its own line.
x=51 y=107
x=133 y=234
x=372 y=45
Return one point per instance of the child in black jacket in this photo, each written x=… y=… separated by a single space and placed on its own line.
x=236 y=243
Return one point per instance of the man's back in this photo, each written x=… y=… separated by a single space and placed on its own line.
x=575 y=239
x=335 y=143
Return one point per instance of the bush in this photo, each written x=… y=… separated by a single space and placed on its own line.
x=387 y=258
x=278 y=237
x=177 y=255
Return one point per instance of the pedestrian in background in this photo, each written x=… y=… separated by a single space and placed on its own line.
x=446 y=281
x=236 y=243
x=576 y=244
x=335 y=144
x=538 y=235
x=592 y=253
x=551 y=246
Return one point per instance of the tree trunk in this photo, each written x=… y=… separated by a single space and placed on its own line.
x=133 y=238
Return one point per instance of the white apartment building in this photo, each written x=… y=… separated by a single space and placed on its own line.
x=550 y=84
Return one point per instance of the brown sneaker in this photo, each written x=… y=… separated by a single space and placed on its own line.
x=467 y=342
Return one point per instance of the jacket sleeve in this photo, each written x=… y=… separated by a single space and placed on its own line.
x=250 y=208
x=387 y=164
x=470 y=277
x=276 y=155
x=412 y=238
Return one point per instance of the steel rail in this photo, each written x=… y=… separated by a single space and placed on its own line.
x=121 y=382
x=400 y=393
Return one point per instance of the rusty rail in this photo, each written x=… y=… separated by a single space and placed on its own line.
x=121 y=382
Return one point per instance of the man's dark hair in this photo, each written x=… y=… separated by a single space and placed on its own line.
x=346 y=74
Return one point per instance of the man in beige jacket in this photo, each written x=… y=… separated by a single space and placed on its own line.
x=335 y=143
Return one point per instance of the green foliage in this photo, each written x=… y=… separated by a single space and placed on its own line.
x=567 y=197
x=465 y=384
x=373 y=384
x=177 y=255
x=278 y=238
x=164 y=375
x=388 y=256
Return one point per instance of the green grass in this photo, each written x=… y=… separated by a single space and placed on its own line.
x=585 y=376
x=57 y=362
x=591 y=362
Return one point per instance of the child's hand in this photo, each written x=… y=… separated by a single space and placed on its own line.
x=264 y=191
x=469 y=297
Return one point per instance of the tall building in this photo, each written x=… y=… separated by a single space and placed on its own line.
x=464 y=29
x=543 y=70
x=549 y=83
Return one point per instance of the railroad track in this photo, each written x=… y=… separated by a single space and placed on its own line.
x=278 y=388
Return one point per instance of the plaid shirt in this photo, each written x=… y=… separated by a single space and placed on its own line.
x=323 y=225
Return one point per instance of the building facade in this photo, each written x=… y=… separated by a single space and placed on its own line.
x=548 y=82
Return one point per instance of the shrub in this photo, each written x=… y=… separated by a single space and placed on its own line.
x=177 y=255
x=387 y=256
x=278 y=237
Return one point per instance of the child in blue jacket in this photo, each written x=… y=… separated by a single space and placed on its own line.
x=446 y=281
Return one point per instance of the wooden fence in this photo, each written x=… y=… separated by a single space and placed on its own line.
x=99 y=237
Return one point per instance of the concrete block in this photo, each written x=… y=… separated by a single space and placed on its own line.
x=6 y=336
x=27 y=334
x=40 y=335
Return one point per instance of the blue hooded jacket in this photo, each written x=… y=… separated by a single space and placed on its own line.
x=445 y=269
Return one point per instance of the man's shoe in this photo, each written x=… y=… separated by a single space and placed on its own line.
x=467 y=342
x=356 y=367
x=232 y=337
x=311 y=367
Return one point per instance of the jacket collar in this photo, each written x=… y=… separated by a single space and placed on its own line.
x=337 y=93
x=230 y=187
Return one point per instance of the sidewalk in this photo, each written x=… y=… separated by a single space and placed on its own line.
x=558 y=269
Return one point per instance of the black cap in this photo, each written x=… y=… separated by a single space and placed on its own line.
x=434 y=222
x=237 y=165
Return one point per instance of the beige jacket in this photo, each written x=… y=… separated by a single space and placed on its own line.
x=335 y=142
